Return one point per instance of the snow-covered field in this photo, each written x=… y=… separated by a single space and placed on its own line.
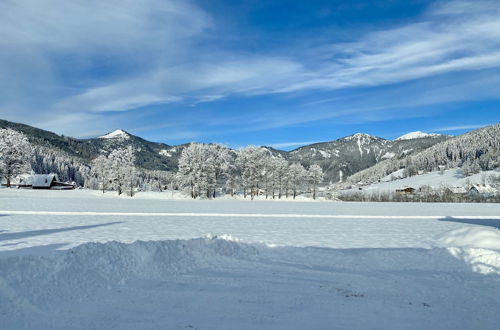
x=233 y=264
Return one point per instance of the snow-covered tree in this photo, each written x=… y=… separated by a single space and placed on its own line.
x=101 y=169
x=297 y=175
x=315 y=174
x=280 y=171
x=129 y=170
x=197 y=169
x=250 y=161
x=268 y=175
x=233 y=178
x=15 y=154
x=123 y=173
x=220 y=161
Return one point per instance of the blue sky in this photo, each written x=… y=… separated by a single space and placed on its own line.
x=280 y=73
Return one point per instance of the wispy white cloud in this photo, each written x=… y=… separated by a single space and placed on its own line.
x=454 y=36
x=458 y=128
x=52 y=50
x=290 y=144
x=55 y=50
x=204 y=81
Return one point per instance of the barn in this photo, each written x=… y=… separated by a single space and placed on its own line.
x=482 y=190
x=49 y=181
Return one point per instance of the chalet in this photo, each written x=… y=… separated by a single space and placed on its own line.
x=40 y=181
x=407 y=190
x=482 y=190
x=49 y=181
x=457 y=190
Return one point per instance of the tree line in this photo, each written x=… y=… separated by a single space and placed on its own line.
x=205 y=169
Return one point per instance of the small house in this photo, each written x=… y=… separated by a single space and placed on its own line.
x=407 y=190
x=49 y=181
x=458 y=190
x=481 y=190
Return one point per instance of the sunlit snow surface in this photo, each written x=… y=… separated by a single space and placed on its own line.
x=258 y=264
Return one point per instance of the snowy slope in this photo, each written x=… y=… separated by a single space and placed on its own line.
x=475 y=149
x=449 y=178
x=116 y=134
x=356 y=152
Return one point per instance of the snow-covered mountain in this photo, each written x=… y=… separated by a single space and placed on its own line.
x=346 y=156
x=339 y=158
x=473 y=151
x=118 y=134
x=416 y=135
x=70 y=158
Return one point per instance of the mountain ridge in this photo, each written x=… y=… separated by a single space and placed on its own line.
x=339 y=158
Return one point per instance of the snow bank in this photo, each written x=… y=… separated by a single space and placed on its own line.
x=118 y=262
x=475 y=246
x=219 y=282
x=471 y=237
x=96 y=266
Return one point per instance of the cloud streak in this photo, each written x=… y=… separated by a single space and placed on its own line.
x=291 y=144
x=458 y=128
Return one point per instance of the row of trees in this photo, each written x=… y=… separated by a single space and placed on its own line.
x=205 y=168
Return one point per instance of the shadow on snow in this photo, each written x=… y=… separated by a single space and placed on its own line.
x=495 y=223
x=25 y=234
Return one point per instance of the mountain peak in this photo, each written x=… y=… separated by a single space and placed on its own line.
x=360 y=136
x=415 y=135
x=119 y=133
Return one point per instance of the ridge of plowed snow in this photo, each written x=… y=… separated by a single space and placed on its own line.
x=191 y=283
x=472 y=237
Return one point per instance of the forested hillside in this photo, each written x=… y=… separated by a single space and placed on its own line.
x=474 y=151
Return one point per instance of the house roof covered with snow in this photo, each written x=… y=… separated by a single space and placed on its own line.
x=44 y=180
x=483 y=189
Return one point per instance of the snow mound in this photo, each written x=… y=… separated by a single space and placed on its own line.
x=471 y=237
x=154 y=283
x=119 y=133
x=114 y=262
x=415 y=135
x=28 y=282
